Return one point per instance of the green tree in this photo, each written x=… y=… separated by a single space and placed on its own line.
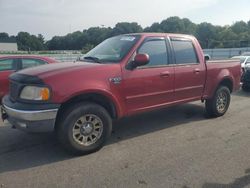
x=172 y=25
x=25 y=41
x=4 y=35
x=96 y=35
x=125 y=27
x=228 y=38
x=210 y=36
x=239 y=27
x=155 y=27
x=205 y=33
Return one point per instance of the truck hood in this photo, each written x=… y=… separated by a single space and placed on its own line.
x=58 y=68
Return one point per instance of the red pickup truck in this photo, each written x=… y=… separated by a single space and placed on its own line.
x=123 y=75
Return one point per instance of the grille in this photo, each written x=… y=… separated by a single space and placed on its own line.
x=14 y=90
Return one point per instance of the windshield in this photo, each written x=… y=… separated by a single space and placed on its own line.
x=113 y=49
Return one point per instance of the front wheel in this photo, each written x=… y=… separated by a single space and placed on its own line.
x=218 y=105
x=84 y=128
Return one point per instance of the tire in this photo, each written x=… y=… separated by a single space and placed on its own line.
x=84 y=128
x=218 y=105
x=245 y=88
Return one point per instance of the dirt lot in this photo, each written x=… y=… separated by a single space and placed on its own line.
x=174 y=147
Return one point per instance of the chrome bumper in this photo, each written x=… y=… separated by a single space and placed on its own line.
x=37 y=115
x=31 y=120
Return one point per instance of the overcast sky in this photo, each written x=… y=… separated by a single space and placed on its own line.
x=59 y=17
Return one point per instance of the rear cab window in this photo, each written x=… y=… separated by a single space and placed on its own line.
x=184 y=51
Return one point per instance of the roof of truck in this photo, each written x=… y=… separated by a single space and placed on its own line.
x=162 y=34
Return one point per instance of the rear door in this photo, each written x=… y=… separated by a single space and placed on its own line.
x=7 y=67
x=189 y=71
x=151 y=85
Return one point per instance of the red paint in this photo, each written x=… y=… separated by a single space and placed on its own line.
x=4 y=82
x=140 y=89
x=142 y=58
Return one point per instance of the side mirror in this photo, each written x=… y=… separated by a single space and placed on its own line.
x=207 y=57
x=140 y=60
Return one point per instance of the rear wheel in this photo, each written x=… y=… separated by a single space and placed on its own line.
x=218 y=105
x=84 y=128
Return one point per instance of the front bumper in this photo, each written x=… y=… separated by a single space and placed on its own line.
x=33 y=119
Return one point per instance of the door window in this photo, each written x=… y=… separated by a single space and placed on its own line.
x=26 y=63
x=157 y=51
x=184 y=52
x=7 y=64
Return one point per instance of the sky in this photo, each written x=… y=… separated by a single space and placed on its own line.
x=59 y=17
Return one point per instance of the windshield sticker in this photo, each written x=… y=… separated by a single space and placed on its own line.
x=128 y=38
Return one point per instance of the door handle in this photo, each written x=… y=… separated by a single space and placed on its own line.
x=197 y=71
x=165 y=74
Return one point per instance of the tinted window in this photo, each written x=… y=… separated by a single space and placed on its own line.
x=6 y=64
x=26 y=63
x=184 y=52
x=157 y=51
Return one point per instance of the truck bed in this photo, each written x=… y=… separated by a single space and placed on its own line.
x=217 y=69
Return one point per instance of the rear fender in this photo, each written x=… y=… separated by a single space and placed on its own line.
x=222 y=78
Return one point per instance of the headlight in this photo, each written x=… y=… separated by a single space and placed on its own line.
x=35 y=93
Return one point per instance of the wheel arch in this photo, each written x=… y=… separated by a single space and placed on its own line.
x=227 y=81
x=94 y=97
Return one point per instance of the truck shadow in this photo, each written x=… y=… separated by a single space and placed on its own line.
x=19 y=150
x=242 y=93
x=238 y=182
x=141 y=124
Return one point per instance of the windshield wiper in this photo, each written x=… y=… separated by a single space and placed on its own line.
x=95 y=59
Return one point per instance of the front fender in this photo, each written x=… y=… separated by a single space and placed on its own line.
x=108 y=94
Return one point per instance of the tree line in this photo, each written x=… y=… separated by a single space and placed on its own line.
x=210 y=36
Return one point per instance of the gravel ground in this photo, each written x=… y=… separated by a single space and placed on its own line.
x=174 y=147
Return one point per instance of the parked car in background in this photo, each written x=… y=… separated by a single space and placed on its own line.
x=246 y=79
x=245 y=54
x=244 y=60
x=11 y=64
x=122 y=76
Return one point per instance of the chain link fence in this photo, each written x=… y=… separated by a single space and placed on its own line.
x=224 y=53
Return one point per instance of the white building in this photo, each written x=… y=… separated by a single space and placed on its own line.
x=8 y=46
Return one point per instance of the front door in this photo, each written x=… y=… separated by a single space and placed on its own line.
x=151 y=85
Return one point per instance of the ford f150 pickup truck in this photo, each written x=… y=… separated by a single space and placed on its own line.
x=124 y=75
